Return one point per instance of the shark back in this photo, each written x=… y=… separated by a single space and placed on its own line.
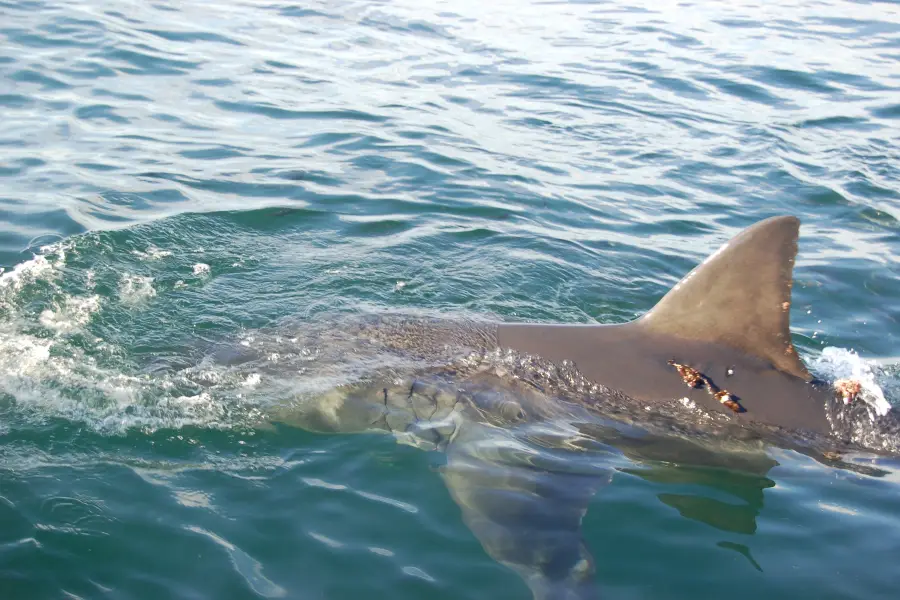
x=729 y=319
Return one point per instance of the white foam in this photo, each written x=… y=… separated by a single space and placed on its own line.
x=68 y=384
x=26 y=272
x=21 y=354
x=193 y=498
x=49 y=377
x=73 y=313
x=152 y=253
x=134 y=289
x=840 y=363
x=201 y=269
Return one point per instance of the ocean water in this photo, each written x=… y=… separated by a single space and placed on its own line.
x=176 y=174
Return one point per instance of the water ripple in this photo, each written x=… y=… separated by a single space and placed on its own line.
x=249 y=568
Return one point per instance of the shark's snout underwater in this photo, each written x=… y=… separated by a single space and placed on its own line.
x=724 y=330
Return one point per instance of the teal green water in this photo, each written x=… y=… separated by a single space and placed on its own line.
x=177 y=174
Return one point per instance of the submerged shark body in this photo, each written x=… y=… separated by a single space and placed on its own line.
x=518 y=407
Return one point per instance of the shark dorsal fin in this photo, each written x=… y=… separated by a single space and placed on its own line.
x=740 y=296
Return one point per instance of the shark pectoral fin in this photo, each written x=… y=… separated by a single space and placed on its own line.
x=526 y=517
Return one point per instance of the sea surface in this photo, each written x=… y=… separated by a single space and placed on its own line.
x=175 y=174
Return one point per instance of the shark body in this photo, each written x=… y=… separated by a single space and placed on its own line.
x=532 y=416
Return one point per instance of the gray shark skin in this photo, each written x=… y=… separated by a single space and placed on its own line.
x=535 y=418
x=729 y=318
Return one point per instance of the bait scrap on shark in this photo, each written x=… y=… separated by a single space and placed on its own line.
x=695 y=379
x=849 y=389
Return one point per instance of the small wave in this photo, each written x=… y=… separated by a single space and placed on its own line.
x=52 y=366
x=250 y=569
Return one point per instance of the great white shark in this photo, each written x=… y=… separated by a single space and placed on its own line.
x=532 y=417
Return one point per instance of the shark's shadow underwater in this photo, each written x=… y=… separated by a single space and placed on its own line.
x=535 y=418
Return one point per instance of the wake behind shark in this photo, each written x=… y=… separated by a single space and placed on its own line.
x=512 y=404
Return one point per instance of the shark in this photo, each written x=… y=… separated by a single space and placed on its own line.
x=534 y=418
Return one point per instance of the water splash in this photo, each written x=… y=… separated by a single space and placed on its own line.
x=839 y=363
x=136 y=289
